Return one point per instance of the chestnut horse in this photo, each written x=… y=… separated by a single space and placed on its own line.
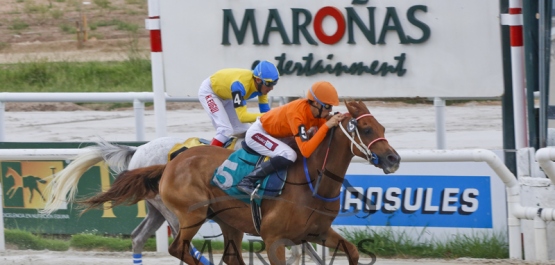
x=295 y=217
x=122 y=157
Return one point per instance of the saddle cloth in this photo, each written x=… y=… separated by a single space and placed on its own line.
x=239 y=164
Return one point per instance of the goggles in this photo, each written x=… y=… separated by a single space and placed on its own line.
x=269 y=82
x=327 y=106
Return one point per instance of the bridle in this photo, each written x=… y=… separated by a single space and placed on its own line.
x=371 y=157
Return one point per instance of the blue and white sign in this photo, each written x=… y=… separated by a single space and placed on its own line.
x=424 y=201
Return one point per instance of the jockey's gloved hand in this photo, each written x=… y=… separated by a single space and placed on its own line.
x=334 y=120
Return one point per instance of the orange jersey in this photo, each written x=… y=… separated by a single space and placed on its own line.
x=294 y=119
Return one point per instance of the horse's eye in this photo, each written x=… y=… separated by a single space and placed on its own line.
x=368 y=131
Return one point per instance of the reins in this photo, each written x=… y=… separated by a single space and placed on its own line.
x=320 y=173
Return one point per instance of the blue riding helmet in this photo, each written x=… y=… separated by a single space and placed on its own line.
x=267 y=72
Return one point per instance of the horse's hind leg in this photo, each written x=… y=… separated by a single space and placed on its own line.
x=146 y=228
x=40 y=193
x=190 y=223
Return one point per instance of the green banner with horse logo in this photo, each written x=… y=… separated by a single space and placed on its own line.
x=23 y=195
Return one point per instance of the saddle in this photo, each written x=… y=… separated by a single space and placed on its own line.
x=196 y=141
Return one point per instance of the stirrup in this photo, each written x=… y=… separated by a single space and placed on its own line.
x=254 y=194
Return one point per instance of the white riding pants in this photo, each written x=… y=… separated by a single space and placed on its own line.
x=221 y=112
x=263 y=143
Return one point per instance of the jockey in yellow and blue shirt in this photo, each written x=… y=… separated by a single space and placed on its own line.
x=224 y=97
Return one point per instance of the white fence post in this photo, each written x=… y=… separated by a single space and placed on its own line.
x=2 y=241
x=162 y=243
x=2 y=110
x=139 y=108
x=439 y=105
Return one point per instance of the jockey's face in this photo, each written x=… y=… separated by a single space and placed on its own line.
x=320 y=112
x=264 y=90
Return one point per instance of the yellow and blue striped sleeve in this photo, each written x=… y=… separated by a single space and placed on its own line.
x=263 y=104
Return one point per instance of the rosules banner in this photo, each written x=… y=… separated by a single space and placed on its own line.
x=423 y=201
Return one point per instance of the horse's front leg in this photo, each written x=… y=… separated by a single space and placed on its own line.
x=233 y=238
x=11 y=192
x=31 y=198
x=276 y=251
x=337 y=242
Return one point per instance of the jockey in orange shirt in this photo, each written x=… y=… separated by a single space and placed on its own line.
x=223 y=96
x=292 y=119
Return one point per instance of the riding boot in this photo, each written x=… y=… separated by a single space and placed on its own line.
x=248 y=183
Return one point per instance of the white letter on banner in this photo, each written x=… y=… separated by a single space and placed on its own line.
x=349 y=200
x=469 y=201
x=447 y=200
x=407 y=196
x=392 y=201
x=377 y=205
x=428 y=207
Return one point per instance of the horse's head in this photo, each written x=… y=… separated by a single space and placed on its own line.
x=367 y=138
x=11 y=173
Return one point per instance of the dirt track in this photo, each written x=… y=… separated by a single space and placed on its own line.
x=17 y=257
x=468 y=126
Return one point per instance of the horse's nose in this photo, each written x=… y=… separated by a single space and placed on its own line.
x=393 y=158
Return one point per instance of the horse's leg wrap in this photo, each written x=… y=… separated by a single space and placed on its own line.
x=247 y=184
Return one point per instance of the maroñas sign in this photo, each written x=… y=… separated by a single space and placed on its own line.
x=427 y=48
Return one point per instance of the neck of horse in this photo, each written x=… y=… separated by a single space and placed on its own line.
x=332 y=159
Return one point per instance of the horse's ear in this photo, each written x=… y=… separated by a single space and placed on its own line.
x=363 y=107
x=353 y=108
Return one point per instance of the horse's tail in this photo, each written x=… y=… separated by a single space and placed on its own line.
x=63 y=185
x=128 y=188
x=116 y=156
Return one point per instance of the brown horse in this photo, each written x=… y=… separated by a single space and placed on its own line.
x=295 y=217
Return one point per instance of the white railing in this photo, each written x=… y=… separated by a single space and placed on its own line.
x=516 y=210
x=138 y=99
